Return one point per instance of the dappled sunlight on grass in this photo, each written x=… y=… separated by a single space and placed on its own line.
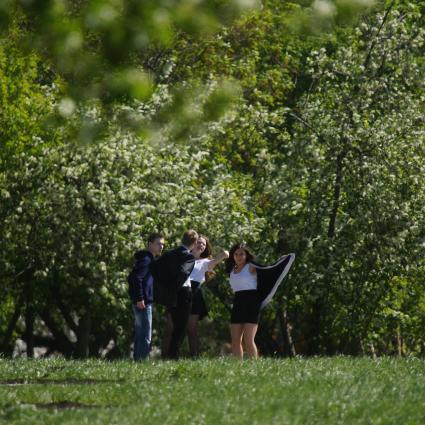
x=290 y=391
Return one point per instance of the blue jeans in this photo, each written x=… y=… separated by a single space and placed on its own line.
x=142 y=332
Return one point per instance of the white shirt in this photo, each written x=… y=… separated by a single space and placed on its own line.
x=244 y=280
x=198 y=272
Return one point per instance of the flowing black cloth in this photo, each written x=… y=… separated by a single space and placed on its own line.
x=270 y=277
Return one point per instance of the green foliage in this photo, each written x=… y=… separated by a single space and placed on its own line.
x=26 y=99
x=332 y=151
x=78 y=214
x=93 y=44
x=356 y=158
x=291 y=140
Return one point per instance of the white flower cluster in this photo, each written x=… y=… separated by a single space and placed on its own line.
x=351 y=193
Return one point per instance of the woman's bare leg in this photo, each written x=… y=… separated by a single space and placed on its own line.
x=249 y=331
x=236 y=331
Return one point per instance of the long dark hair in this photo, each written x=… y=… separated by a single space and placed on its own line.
x=208 y=249
x=230 y=262
x=207 y=254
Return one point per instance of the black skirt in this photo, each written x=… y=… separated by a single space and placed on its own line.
x=199 y=305
x=246 y=307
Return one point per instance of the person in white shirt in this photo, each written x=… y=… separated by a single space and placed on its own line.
x=246 y=305
x=204 y=264
x=254 y=286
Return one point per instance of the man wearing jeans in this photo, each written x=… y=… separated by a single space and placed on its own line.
x=141 y=293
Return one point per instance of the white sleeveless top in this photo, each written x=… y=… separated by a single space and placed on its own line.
x=244 y=280
x=198 y=272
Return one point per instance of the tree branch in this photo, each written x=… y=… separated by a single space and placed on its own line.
x=63 y=343
x=372 y=46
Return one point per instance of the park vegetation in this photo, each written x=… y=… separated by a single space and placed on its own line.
x=293 y=126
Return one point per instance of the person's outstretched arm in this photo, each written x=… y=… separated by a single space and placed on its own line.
x=222 y=256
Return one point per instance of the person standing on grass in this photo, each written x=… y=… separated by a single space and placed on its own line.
x=172 y=288
x=253 y=286
x=246 y=306
x=141 y=292
x=204 y=264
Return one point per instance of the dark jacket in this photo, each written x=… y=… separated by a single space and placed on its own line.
x=140 y=279
x=170 y=271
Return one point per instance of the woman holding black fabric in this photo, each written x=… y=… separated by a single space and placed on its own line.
x=253 y=286
x=246 y=305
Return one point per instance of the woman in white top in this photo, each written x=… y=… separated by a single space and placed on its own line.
x=204 y=263
x=246 y=304
x=254 y=286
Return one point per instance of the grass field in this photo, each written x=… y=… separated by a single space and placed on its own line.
x=223 y=391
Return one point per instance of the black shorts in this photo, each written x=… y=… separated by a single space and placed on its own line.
x=199 y=305
x=246 y=307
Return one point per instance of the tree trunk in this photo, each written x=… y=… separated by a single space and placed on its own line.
x=29 y=317
x=314 y=345
x=337 y=193
x=61 y=341
x=84 y=328
x=6 y=348
x=29 y=329
x=400 y=348
x=372 y=350
x=286 y=329
x=354 y=345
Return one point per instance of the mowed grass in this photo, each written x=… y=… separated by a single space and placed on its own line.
x=337 y=390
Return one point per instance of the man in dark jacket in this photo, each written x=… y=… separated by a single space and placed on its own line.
x=141 y=293
x=172 y=288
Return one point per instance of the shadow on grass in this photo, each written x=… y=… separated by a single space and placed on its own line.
x=69 y=381
x=61 y=405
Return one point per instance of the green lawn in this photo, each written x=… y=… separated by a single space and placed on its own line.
x=223 y=391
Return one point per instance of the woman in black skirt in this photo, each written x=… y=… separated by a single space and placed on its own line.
x=203 y=265
x=254 y=286
x=246 y=306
